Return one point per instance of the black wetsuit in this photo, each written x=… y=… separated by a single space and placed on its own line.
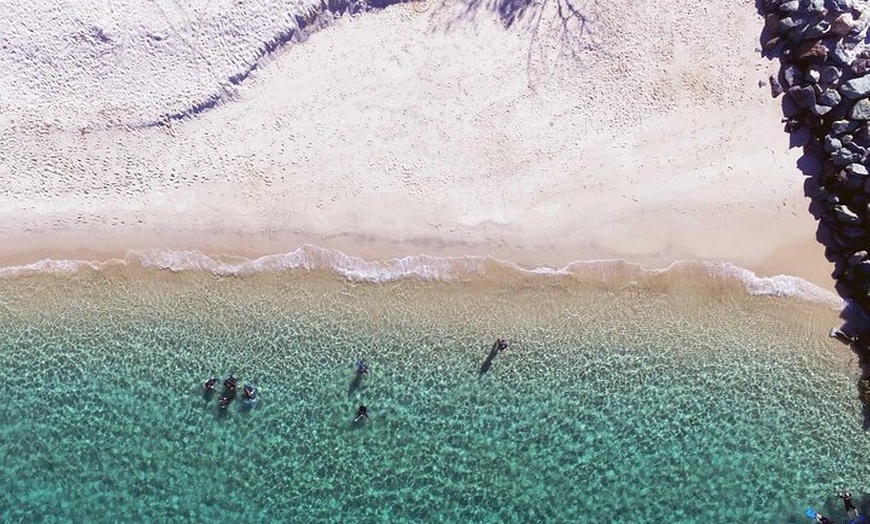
x=847 y=501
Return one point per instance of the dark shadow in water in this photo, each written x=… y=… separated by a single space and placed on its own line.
x=855 y=332
x=489 y=358
x=207 y=395
x=355 y=384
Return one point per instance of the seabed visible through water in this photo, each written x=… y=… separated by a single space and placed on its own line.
x=673 y=398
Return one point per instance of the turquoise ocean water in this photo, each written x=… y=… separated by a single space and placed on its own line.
x=625 y=396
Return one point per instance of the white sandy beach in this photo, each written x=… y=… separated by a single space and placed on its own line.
x=648 y=133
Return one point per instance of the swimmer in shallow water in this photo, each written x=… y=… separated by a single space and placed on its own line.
x=361 y=367
x=249 y=393
x=229 y=392
x=362 y=413
x=848 y=504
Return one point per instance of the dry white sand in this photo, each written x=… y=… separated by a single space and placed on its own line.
x=645 y=133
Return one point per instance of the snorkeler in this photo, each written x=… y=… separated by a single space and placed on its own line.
x=229 y=392
x=847 y=502
x=821 y=519
x=210 y=383
x=249 y=393
x=501 y=344
x=361 y=413
x=361 y=367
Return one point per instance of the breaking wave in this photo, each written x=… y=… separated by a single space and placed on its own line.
x=313 y=258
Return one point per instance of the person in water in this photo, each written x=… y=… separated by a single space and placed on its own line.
x=847 y=502
x=226 y=398
x=361 y=413
x=821 y=519
x=229 y=392
x=249 y=392
x=210 y=383
x=361 y=367
x=501 y=344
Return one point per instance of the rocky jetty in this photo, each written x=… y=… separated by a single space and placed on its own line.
x=824 y=80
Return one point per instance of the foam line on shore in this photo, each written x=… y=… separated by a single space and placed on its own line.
x=427 y=267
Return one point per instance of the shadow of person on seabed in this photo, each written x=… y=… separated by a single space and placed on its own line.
x=497 y=347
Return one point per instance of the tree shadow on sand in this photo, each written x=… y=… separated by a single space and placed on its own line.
x=573 y=21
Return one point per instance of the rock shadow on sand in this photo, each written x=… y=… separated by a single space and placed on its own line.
x=823 y=81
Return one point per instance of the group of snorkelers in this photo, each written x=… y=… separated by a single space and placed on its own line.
x=849 y=505
x=249 y=393
x=228 y=394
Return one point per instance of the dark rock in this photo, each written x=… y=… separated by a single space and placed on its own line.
x=829 y=75
x=790 y=6
x=861 y=110
x=860 y=66
x=856 y=148
x=796 y=35
x=773 y=26
x=769 y=6
x=855 y=88
x=846 y=139
x=863 y=136
x=818 y=29
x=840 y=6
x=846 y=215
x=857 y=169
x=844 y=126
x=820 y=110
x=813 y=75
x=867 y=185
x=792 y=75
x=811 y=50
x=857 y=258
x=853 y=233
x=832 y=144
x=829 y=97
x=803 y=96
x=842 y=25
x=775 y=87
x=864 y=391
x=840 y=55
x=788 y=23
x=842 y=157
x=771 y=44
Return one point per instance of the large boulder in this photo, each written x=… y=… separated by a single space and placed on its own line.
x=861 y=110
x=846 y=215
x=856 y=88
x=803 y=96
x=811 y=50
x=829 y=97
x=842 y=25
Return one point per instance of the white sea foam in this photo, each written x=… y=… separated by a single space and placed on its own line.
x=776 y=285
x=48 y=265
x=313 y=258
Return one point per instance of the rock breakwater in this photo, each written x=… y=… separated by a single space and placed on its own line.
x=824 y=81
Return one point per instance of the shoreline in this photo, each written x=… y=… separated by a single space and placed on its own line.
x=432 y=148
x=452 y=264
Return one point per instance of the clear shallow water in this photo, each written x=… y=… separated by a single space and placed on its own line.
x=679 y=396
